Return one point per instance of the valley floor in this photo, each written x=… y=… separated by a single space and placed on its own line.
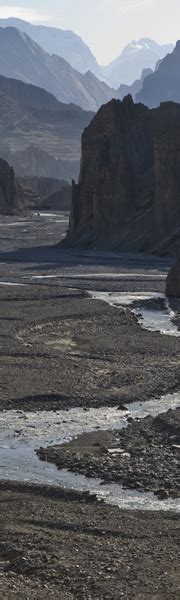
x=60 y=348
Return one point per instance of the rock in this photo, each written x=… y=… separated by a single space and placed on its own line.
x=11 y=194
x=173 y=281
x=162 y=494
x=128 y=192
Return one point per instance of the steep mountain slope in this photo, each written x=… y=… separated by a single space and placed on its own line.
x=137 y=55
x=25 y=101
x=22 y=58
x=30 y=95
x=129 y=185
x=66 y=44
x=30 y=116
x=125 y=90
x=164 y=83
x=11 y=194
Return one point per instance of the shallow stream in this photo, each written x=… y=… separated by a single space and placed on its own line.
x=148 y=317
x=22 y=433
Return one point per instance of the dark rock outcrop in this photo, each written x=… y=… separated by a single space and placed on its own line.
x=164 y=84
x=173 y=281
x=129 y=185
x=11 y=194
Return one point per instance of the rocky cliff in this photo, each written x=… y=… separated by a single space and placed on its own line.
x=11 y=194
x=129 y=185
x=173 y=281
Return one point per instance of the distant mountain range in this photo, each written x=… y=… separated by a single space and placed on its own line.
x=39 y=135
x=137 y=56
x=22 y=58
x=44 y=102
x=125 y=69
x=66 y=44
x=164 y=84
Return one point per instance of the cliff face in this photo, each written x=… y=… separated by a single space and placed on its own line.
x=129 y=185
x=173 y=281
x=11 y=195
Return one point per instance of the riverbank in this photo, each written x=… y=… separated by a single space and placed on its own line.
x=143 y=456
x=57 y=544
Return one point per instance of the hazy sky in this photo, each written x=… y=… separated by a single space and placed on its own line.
x=106 y=25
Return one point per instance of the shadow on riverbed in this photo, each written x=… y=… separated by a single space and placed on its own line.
x=54 y=254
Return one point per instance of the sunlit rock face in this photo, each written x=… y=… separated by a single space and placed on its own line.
x=128 y=192
x=173 y=281
x=11 y=194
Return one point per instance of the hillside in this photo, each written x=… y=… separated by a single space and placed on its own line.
x=21 y=58
x=129 y=186
x=30 y=116
x=164 y=83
